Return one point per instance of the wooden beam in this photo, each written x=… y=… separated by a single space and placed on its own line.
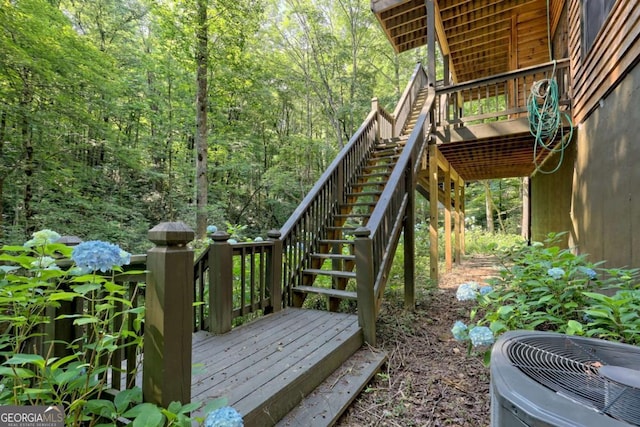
x=431 y=40
x=433 y=213
x=457 y=218
x=447 y=219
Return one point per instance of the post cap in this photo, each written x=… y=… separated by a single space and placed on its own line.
x=171 y=234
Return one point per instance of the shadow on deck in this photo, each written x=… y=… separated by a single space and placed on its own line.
x=270 y=368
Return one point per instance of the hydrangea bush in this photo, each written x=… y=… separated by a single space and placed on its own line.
x=543 y=287
x=33 y=283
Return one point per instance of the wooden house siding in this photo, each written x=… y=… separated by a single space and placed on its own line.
x=615 y=50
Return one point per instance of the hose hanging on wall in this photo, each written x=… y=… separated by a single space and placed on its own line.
x=545 y=120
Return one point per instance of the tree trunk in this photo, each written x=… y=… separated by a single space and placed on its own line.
x=201 y=119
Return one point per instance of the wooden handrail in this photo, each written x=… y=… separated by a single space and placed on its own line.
x=385 y=221
x=401 y=113
x=510 y=75
x=495 y=97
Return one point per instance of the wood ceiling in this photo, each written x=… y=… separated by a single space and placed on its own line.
x=481 y=37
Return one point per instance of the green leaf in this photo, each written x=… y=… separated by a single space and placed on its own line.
x=85 y=320
x=505 y=310
x=21 y=359
x=63 y=296
x=16 y=372
x=127 y=397
x=86 y=288
x=574 y=328
x=145 y=415
x=102 y=407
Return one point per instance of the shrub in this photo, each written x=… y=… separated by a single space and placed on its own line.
x=543 y=287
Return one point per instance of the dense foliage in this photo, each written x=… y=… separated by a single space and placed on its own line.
x=97 y=117
x=544 y=287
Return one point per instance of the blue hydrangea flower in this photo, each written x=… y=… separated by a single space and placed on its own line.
x=258 y=239
x=41 y=238
x=466 y=292
x=98 y=255
x=459 y=331
x=224 y=417
x=474 y=285
x=211 y=229
x=485 y=290
x=556 y=272
x=232 y=241
x=589 y=272
x=481 y=336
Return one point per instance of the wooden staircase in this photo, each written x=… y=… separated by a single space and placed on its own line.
x=334 y=258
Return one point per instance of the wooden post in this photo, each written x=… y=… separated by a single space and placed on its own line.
x=365 y=281
x=433 y=217
x=220 y=283
x=410 y=241
x=447 y=219
x=274 y=271
x=462 y=220
x=375 y=107
x=457 y=223
x=431 y=41
x=166 y=375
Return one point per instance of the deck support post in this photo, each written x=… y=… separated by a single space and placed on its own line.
x=447 y=220
x=220 y=283
x=365 y=285
x=166 y=375
x=410 y=242
x=457 y=223
x=274 y=271
x=375 y=106
x=431 y=41
x=433 y=217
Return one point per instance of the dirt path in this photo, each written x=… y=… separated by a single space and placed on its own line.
x=430 y=380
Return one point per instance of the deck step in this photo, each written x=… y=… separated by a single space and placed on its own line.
x=264 y=368
x=334 y=256
x=329 y=400
x=364 y=193
x=326 y=291
x=332 y=273
x=336 y=242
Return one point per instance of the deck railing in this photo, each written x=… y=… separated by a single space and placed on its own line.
x=236 y=281
x=122 y=366
x=376 y=243
x=497 y=97
x=309 y=222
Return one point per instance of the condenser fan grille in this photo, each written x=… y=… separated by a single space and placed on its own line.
x=571 y=367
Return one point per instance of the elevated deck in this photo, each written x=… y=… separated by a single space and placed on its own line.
x=266 y=367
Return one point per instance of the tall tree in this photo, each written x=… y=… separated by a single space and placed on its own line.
x=202 y=55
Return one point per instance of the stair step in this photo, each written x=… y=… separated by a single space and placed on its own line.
x=334 y=256
x=326 y=291
x=329 y=400
x=376 y=175
x=336 y=242
x=347 y=230
x=364 y=193
x=353 y=215
x=369 y=184
x=360 y=204
x=379 y=166
x=332 y=273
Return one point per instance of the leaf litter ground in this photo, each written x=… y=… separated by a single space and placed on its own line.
x=429 y=379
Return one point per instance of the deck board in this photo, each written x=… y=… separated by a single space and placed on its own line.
x=277 y=354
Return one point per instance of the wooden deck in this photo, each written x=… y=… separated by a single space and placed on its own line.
x=264 y=368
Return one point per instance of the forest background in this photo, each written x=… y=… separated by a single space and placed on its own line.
x=116 y=115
